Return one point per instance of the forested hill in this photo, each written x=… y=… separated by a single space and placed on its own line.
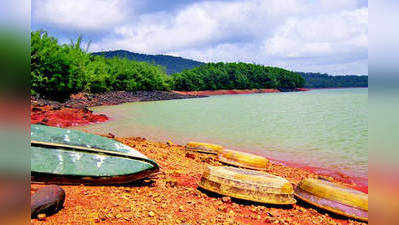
x=318 y=80
x=171 y=63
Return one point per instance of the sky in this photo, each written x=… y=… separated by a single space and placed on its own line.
x=327 y=36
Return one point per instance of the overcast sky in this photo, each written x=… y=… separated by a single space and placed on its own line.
x=328 y=36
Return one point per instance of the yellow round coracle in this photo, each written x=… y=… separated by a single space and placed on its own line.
x=242 y=159
x=336 y=198
x=204 y=147
x=248 y=185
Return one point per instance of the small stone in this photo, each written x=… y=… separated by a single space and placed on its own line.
x=171 y=183
x=222 y=208
x=207 y=160
x=41 y=217
x=190 y=155
x=226 y=199
x=110 y=135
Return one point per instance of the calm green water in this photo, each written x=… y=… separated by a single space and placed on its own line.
x=324 y=128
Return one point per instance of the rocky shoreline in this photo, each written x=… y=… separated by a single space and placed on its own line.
x=82 y=100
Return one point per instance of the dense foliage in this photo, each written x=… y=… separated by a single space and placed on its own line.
x=171 y=63
x=60 y=70
x=317 y=80
x=214 y=76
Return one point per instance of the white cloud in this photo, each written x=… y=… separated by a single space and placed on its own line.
x=202 y=23
x=80 y=14
x=325 y=35
x=244 y=52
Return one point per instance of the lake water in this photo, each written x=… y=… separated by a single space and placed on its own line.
x=324 y=128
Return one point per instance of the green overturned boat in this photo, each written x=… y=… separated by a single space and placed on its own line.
x=66 y=156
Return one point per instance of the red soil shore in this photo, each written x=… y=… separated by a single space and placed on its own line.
x=173 y=196
x=63 y=116
x=303 y=89
x=233 y=92
x=226 y=92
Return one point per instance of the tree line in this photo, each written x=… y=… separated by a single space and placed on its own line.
x=318 y=80
x=215 y=76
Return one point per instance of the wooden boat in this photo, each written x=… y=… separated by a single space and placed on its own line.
x=248 y=185
x=203 y=147
x=242 y=159
x=70 y=156
x=333 y=197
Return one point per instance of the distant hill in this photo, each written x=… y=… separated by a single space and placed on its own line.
x=178 y=64
x=318 y=80
x=172 y=64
